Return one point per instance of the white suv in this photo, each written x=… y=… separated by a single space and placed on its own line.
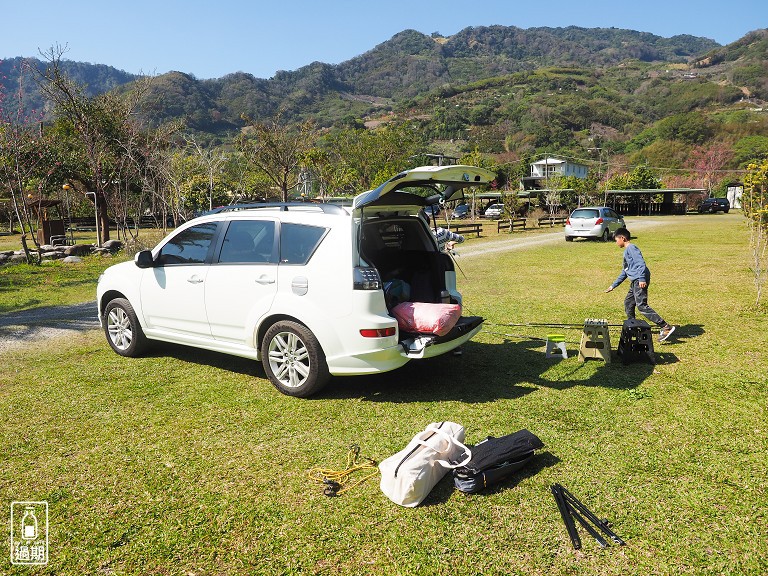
x=299 y=286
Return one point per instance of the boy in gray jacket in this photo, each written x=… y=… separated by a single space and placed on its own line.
x=640 y=276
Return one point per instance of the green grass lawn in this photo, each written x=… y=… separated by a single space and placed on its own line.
x=55 y=283
x=189 y=462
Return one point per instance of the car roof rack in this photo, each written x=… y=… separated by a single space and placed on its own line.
x=283 y=206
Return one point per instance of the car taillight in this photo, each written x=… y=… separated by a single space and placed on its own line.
x=366 y=279
x=567 y=221
x=377 y=332
x=599 y=221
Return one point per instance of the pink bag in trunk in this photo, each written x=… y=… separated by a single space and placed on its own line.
x=426 y=318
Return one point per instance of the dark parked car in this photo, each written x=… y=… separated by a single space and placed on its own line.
x=461 y=211
x=713 y=205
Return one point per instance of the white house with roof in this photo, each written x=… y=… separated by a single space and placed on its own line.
x=550 y=166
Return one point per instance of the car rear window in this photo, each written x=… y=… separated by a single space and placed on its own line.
x=248 y=242
x=585 y=213
x=298 y=242
x=398 y=234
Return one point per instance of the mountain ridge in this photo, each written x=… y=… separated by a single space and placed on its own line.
x=413 y=67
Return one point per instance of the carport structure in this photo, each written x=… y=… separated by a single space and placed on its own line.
x=641 y=203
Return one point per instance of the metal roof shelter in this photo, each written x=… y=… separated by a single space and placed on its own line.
x=640 y=206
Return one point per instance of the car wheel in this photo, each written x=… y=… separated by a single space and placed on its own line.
x=569 y=238
x=293 y=359
x=122 y=328
x=726 y=211
x=606 y=235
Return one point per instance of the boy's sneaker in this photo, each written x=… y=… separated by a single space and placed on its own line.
x=666 y=332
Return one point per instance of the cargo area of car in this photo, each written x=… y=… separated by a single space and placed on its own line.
x=422 y=271
x=400 y=251
x=401 y=254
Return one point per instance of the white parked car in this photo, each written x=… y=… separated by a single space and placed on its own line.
x=494 y=211
x=299 y=286
x=593 y=222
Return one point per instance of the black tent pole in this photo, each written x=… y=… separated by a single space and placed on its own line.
x=567 y=519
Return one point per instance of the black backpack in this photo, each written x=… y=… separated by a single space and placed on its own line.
x=494 y=459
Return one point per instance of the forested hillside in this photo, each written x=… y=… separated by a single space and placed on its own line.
x=691 y=110
x=407 y=65
x=16 y=78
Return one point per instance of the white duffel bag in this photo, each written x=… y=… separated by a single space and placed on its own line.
x=408 y=476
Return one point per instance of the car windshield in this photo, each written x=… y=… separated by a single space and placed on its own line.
x=585 y=213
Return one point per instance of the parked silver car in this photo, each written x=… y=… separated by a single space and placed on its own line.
x=593 y=222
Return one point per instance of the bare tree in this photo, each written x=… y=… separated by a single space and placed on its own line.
x=754 y=202
x=99 y=123
x=210 y=162
x=25 y=158
x=277 y=149
x=143 y=174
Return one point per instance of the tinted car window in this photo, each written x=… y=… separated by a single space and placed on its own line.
x=189 y=246
x=400 y=234
x=298 y=242
x=248 y=241
x=582 y=213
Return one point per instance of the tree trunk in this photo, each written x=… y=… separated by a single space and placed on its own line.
x=103 y=219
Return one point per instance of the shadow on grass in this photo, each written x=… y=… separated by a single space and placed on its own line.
x=484 y=372
x=487 y=372
x=441 y=493
x=218 y=360
x=683 y=333
x=31 y=303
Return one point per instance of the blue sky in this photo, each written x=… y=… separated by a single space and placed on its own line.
x=214 y=38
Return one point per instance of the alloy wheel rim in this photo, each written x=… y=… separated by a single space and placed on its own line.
x=289 y=359
x=119 y=328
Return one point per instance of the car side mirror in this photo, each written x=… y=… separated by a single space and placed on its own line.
x=144 y=259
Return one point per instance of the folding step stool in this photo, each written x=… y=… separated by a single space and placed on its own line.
x=556 y=341
x=595 y=340
x=636 y=342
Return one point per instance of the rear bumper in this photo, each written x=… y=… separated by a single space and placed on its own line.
x=410 y=347
x=369 y=362
x=594 y=232
x=429 y=346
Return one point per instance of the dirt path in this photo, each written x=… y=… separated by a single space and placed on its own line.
x=507 y=242
x=19 y=329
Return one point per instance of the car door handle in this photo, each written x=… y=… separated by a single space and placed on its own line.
x=265 y=280
x=194 y=279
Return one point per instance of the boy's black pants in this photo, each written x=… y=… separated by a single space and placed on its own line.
x=638 y=298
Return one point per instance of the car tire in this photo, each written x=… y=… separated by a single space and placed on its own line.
x=293 y=359
x=122 y=328
x=726 y=211
x=606 y=235
x=569 y=238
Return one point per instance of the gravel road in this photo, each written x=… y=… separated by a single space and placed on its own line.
x=18 y=329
